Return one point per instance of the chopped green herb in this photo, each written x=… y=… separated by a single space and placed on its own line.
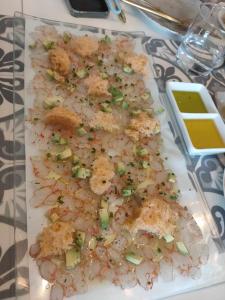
x=60 y=200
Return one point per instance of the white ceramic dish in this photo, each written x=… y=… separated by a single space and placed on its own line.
x=191 y=87
x=212 y=114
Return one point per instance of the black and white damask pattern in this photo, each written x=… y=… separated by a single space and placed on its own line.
x=10 y=174
x=208 y=169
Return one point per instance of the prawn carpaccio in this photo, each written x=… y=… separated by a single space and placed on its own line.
x=113 y=208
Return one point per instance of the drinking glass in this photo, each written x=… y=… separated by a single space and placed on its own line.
x=203 y=47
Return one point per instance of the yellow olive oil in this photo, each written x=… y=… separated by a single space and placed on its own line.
x=204 y=134
x=189 y=102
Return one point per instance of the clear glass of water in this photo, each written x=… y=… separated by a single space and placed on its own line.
x=203 y=47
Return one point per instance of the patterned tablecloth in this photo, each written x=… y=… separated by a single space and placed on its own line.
x=208 y=169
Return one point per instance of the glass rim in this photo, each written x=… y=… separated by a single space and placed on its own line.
x=207 y=19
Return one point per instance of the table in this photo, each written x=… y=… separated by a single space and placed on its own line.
x=210 y=169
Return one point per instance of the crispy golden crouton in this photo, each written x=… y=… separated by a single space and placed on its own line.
x=59 y=61
x=84 y=46
x=143 y=126
x=55 y=239
x=62 y=117
x=104 y=121
x=103 y=172
x=156 y=217
x=133 y=134
x=97 y=86
x=138 y=62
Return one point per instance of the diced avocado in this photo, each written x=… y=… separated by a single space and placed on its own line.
x=80 y=172
x=65 y=154
x=127 y=192
x=75 y=159
x=128 y=70
x=72 y=258
x=53 y=175
x=51 y=102
x=117 y=95
x=80 y=238
x=133 y=258
x=159 y=111
x=92 y=243
x=81 y=131
x=104 y=203
x=57 y=139
x=141 y=151
x=104 y=218
x=125 y=105
x=109 y=239
x=105 y=107
x=51 y=74
x=120 y=169
x=135 y=112
x=145 y=164
x=171 y=177
x=48 y=45
x=33 y=45
x=173 y=196
x=106 y=39
x=168 y=238
x=104 y=75
x=66 y=37
x=182 y=248
x=81 y=73
x=118 y=98
x=146 y=96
